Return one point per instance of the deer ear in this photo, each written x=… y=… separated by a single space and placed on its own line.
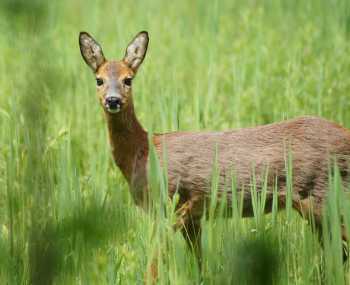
x=91 y=51
x=136 y=50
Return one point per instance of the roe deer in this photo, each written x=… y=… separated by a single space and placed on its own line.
x=313 y=143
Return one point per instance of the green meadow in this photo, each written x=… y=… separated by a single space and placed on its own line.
x=66 y=216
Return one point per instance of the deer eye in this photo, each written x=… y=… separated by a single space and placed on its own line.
x=127 y=81
x=99 y=81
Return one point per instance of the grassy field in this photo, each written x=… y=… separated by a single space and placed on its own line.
x=66 y=216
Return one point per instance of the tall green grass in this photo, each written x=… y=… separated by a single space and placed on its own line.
x=66 y=216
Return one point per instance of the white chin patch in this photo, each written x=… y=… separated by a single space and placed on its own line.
x=114 y=110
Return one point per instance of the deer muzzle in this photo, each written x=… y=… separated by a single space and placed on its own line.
x=113 y=104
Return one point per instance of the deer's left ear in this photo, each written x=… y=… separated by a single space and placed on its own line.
x=136 y=51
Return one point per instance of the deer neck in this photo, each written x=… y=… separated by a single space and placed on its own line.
x=129 y=142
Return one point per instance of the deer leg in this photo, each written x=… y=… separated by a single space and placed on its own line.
x=151 y=274
x=190 y=227
x=192 y=233
x=312 y=212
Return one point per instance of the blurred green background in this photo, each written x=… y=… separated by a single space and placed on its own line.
x=66 y=216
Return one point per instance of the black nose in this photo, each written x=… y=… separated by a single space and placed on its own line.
x=113 y=102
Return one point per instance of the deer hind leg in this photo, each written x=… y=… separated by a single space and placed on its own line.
x=188 y=222
x=312 y=211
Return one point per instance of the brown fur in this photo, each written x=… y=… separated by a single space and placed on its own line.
x=311 y=144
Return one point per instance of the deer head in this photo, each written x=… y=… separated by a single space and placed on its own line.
x=114 y=78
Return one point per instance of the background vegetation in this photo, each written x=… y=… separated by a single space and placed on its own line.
x=66 y=216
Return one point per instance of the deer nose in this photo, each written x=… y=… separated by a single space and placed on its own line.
x=113 y=103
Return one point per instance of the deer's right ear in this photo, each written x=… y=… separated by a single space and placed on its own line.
x=91 y=51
